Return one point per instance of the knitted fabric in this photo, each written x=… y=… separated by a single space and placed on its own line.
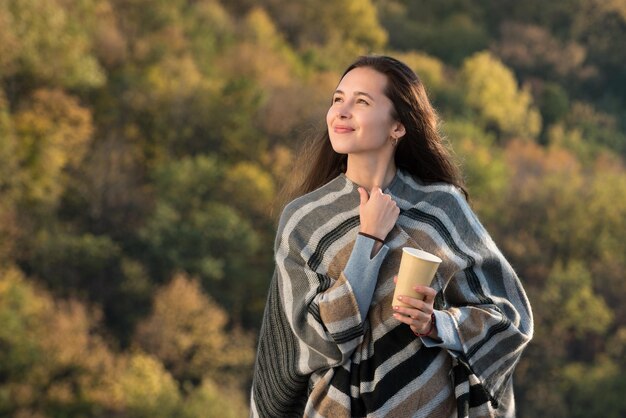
x=318 y=357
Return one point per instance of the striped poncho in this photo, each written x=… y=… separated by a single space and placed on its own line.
x=318 y=357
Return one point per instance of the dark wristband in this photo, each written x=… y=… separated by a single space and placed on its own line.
x=372 y=237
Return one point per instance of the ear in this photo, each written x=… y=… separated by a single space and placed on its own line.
x=398 y=130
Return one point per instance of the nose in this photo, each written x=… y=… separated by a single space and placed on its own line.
x=343 y=112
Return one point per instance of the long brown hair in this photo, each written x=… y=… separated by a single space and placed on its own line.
x=421 y=151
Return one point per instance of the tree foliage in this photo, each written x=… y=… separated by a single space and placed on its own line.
x=344 y=27
x=451 y=30
x=144 y=146
x=50 y=42
x=186 y=332
x=52 y=132
x=52 y=361
x=145 y=389
x=492 y=90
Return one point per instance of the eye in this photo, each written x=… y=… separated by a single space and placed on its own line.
x=337 y=99
x=363 y=101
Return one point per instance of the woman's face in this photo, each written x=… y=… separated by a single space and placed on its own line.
x=359 y=119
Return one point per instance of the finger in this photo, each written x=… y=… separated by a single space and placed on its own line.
x=420 y=305
x=415 y=314
x=428 y=292
x=404 y=319
x=409 y=300
x=415 y=324
x=363 y=195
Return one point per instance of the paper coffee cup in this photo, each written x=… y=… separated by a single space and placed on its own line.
x=417 y=267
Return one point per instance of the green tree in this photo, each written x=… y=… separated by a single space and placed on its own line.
x=142 y=140
x=93 y=267
x=272 y=62
x=109 y=192
x=577 y=300
x=573 y=141
x=450 y=30
x=8 y=184
x=51 y=42
x=574 y=321
x=287 y=93
x=52 y=132
x=571 y=322
x=197 y=228
x=598 y=24
x=491 y=89
x=543 y=194
x=211 y=30
x=567 y=289
x=213 y=399
x=554 y=103
x=606 y=247
x=598 y=128
x=187 y=333
x=483 y=165
x=534 y=52
x=144 y=389
x=595 y=390
x=251 y=189
x=429 y=69
x=166 y=83
x=9 y=44
x=110 y=45
x=53 y=361
x=330 y=35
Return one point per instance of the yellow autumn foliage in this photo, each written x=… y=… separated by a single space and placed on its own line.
x=49 y=348
x=186 y=331
x=491 y=89
x=52 y=133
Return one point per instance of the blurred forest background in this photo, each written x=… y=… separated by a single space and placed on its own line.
x=144 y=142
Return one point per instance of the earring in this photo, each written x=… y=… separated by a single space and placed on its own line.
x=394 y=141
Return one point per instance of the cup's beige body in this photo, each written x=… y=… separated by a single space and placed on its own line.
x=417 y=267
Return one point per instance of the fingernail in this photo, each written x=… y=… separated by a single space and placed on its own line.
x=399 y=297
x=395 y=308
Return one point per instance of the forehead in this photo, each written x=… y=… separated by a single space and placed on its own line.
x=364 y=79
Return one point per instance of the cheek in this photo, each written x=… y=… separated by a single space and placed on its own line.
x=378 y=125
x=329 y=116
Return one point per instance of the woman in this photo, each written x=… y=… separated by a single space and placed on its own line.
x=331 y=345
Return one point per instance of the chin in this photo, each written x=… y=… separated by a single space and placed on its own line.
x=340 y=149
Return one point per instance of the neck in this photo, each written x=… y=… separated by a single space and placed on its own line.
x=370 y=172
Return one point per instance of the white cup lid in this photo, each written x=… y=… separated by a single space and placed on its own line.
x=422 y=254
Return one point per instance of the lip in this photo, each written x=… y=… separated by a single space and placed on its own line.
x=342 y=129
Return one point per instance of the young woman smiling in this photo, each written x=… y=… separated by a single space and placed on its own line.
x=331 y=345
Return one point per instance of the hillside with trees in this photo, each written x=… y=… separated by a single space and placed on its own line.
x=144 y=148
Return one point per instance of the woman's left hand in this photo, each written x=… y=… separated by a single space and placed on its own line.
x=419 y=315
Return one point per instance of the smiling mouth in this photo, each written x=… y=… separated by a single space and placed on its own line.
x=342 y=129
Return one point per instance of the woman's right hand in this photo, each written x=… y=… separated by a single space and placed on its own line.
x=378 y=212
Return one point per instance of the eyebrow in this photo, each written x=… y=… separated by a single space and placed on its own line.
x=357 y=93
